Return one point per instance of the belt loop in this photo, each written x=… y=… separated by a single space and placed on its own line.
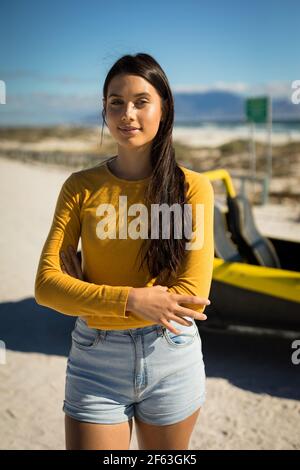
x=102 y=334
x=159 y=330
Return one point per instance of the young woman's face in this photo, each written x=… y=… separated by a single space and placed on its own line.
x=142 y=112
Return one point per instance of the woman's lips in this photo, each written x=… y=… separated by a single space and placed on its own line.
x=129 y=132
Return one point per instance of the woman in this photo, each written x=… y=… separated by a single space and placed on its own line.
x=133 y=354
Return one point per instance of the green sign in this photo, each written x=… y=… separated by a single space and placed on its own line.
x=257 y=109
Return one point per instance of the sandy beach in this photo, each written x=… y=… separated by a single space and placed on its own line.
x=212 y=135
x=253 y=389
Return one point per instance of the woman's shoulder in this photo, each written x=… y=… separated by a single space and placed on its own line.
x=89 y=172
x=196 y=181
x=86 y=181
x=90 y=177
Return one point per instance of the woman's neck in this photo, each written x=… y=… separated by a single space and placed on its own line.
x=131 y=168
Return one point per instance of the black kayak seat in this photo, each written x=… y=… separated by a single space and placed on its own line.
x=251 y=243
x=224 y=247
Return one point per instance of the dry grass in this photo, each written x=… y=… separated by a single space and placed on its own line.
x=81 y=147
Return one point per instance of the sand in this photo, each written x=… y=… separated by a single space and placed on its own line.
x=253 y=389
x=211 y=135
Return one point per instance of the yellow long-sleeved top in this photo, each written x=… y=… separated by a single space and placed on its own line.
x=110 y=265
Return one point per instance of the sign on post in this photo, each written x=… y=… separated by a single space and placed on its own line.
x=259 y=110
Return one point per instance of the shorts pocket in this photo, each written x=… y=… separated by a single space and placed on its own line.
x=84 y=337
x=185 y=338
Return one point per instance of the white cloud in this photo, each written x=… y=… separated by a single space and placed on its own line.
x=61 y=101
x=44 y=77
x=237 y=87
x=277 y=89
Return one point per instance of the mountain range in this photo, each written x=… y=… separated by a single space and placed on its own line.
x=222 y=105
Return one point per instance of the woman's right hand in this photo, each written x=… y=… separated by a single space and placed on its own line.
x=158 y=305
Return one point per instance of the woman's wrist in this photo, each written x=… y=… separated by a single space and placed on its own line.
x=131 y=299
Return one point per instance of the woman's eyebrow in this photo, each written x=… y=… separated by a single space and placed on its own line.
x=137 y=94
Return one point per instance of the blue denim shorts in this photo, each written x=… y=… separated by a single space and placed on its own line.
x=150 y=373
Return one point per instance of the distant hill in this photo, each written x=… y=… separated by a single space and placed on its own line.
x=210 y=105
x=220 y=105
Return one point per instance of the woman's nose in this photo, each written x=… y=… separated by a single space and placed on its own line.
x=129 y=110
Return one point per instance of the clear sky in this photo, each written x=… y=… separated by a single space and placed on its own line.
x=65 y=48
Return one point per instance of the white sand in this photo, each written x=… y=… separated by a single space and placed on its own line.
x=251 y=387
x=213 y=136
x=49 y=145
x=278 y=221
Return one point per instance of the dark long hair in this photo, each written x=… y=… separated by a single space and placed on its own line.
x=167 y=183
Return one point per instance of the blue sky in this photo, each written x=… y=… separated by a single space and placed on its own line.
x=55 y=53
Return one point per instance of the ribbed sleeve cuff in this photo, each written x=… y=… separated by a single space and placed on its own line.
x=114 y=301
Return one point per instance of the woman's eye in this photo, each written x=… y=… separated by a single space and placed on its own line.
x=118 y=101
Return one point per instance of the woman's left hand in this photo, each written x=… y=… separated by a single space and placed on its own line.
x=71 y=264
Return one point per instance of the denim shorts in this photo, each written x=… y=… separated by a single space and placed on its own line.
x=150 y=373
